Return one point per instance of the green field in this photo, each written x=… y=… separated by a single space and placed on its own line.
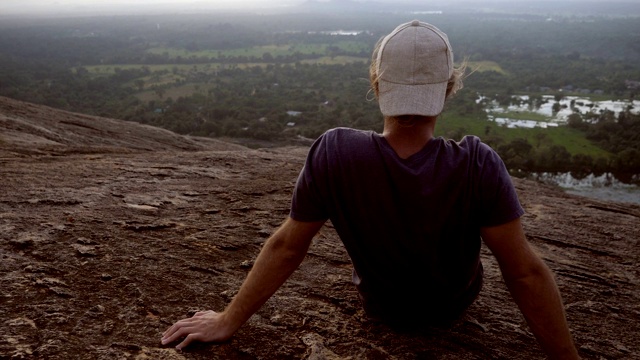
x=571 y=139
x=481 y=66
x=213 y=66
x=522 y=115
x=260 y=51
x=179 y=68
x=335 y=60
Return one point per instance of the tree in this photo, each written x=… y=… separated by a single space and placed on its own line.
x=553 y=158
x=575 y=121
x=517 y=154
x=139 y=83
x=541 y=138
x=267 y=57
x=628 y=161
x=160 y=92
x=581 y=165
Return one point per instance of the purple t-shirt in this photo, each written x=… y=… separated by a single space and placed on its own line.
x=411 y=226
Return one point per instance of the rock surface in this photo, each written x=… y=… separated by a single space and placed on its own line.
x=110 y=231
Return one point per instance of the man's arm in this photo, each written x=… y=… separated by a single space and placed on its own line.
x=533 y=288
x=278 y=259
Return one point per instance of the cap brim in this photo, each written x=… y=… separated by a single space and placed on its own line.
x=422 y=99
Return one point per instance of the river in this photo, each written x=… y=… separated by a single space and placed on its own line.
x=603 y=187
x=568 y=105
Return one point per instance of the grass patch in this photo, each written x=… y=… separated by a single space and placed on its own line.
x=335 y=60
x=260 y=51
x=111 y=69
x=449 y=123
x=158 y=80
x=172 y=92
x=573 y=140
x=481 y=66
x=174 y=71
x=353 y=46
x=522 y=115
x=177 y=68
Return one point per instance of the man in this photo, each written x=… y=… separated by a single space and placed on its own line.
x=410 y=209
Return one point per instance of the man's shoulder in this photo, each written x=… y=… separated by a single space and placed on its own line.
x=474 y=145
x=470 y=141
x=344 y=133
x=346 y=139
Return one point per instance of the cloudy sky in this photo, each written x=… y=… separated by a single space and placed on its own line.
x=8 y=7
x=49 y=7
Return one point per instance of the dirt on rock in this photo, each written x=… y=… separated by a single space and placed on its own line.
x=110 y=231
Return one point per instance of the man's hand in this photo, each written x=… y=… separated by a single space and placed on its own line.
x=204 y=326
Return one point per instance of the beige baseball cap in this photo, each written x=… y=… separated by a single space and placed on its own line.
x=414 y=64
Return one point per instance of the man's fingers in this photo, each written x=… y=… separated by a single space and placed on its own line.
x=202 y=326
x=168 y=338
x=179 y=332
x=178 y=329
x=169 y=331
x=173 y=328
x=183 y=322
x=187 y=340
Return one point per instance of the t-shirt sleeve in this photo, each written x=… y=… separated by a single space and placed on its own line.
x=498 y=199
x=309 y=194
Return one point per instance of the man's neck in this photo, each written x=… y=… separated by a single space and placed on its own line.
x=410 y=134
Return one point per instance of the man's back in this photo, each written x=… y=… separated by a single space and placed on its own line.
x=411 y=226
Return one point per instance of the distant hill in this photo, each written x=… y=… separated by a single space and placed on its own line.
x=415 y=7
x=27 y=129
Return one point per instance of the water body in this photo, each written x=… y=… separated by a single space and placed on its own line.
x=583 y=105
x=603 y=187
x=339 y=32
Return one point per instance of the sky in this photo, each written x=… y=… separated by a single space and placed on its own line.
x=9 y=7
x=79 y=7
